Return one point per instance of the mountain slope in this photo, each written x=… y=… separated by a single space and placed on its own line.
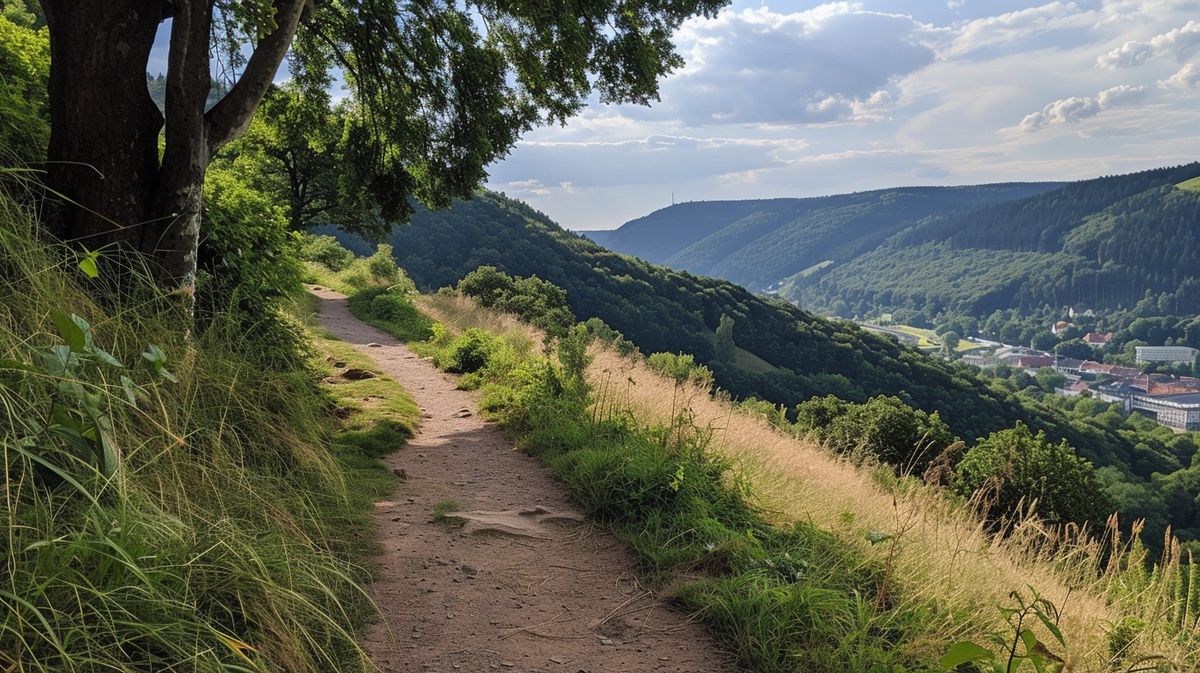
x=758 y=242
x=1104 y=243
x=664 y=310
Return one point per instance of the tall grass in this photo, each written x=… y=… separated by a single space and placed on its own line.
x=215 y=544
x=938 y=556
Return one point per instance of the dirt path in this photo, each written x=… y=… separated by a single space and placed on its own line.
x=566 y=601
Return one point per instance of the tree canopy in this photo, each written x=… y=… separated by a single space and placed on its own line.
x=439 y=90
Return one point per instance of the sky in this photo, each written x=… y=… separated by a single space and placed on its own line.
x=784 y=98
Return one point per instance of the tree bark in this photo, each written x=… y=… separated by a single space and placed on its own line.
x=104 y=150
x=104 y=126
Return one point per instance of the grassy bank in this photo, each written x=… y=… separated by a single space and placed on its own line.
x=903 y=568
x=781 y=597
x=170 y=502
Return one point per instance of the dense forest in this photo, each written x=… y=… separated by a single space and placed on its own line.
x=797 y=355
x=1103 y=244
x=1100 y=243
x=758 y=242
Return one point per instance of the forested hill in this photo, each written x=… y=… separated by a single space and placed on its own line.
x=664 y=310
x=759 y=242
x=1103 y=243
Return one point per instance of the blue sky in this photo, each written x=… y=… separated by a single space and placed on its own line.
x=800 y=99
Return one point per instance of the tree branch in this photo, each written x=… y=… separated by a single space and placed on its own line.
x=230 y=117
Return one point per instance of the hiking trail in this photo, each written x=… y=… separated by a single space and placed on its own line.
x=525 y=585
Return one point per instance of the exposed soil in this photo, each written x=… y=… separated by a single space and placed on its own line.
x=524 y=586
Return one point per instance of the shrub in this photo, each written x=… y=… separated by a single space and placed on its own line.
x=536 y=301
x=325 y=250
x=1014 y=465
x=470 y=352
x=681 y=367
x=247 y=267
x=392 y=310
x=884 y=428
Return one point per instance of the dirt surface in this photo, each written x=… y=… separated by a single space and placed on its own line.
x=563 y=598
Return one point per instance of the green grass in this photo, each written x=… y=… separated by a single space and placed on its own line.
x=780 y=598
x=819 y=266
x=376 y=417
x=1192 y=185
x=927 y=337
x=744 y=359
x=231 y=534
x=443 y=513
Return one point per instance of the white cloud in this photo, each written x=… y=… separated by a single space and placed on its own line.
x=1077 y=108
x=1180 y=43
x=1188 y=77
x=1017 y=26
x=835 y=62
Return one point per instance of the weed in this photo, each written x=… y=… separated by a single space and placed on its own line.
x=443 y=513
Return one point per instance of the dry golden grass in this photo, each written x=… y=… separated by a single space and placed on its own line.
x=940 y=554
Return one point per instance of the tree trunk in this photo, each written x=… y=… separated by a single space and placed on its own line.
x=104 y=126
x=104 y=151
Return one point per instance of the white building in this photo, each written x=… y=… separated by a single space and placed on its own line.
x=1171 y=354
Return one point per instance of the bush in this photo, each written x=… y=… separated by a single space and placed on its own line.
x=538 y=302
x=24 y=105
x=325 y=250
x=1014 y=465
x=681 y=367
x=884 y=428
x=470 y=352
x=391 y=309
x=247 y=268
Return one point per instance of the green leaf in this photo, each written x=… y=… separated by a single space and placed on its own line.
x=88 y=264
x=106 y=357
x=1051 y=627
x=70 y=330
x=127 y=385
x=964 y=652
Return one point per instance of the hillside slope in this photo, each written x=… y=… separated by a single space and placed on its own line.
x=1104 y=243
x=759 y=242
x=664 y=310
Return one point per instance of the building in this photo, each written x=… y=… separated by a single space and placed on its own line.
x=1168 y=354
x=980 y=358
x=1097 y=340
x=1074 y=390
x=1181 y=412
x=1115 y=371
x=1033 y=361
x=1068 y=366
x=1060 y=327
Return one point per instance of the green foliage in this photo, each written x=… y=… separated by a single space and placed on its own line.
x=247 y=268
x=25 y=72
x=391 y=309
x=884 y=427
x=294 y=151
x=726 y=351
x=779 y=598
x=536 y=301
x=681 y=368
x=1011 y=650
x=325 y=250
x=1102 y=243
x=1014 y=466
x=218 y=539
x=761 y=242
x=469 y=353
